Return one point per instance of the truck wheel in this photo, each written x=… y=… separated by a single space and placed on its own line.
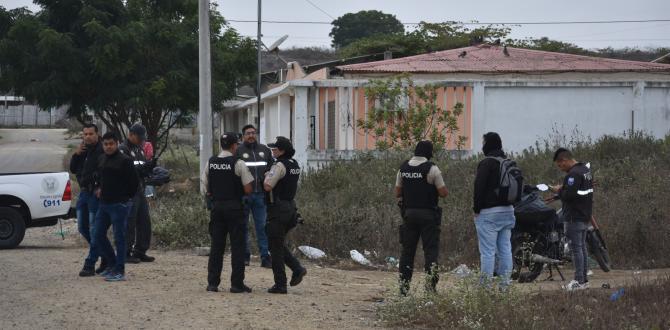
x=12 y=228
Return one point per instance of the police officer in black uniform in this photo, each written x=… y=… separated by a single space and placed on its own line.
x=419 y=183
x=227 y=179
x=576 y=194
x=281 y=185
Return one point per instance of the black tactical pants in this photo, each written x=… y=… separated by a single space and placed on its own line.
x=281 y=219
x=139 y=225
x=424 y=224
x=226 y=219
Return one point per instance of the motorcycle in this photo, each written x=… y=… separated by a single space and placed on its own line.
x=539 y=238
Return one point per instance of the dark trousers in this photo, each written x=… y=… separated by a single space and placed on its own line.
x=576 y=233
x=226 y=219
x=139 y=225
x=111 y=215
x=281 y=219
x=424 y=224
x=87 y=208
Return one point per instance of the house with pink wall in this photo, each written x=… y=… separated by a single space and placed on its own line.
x=521 y=94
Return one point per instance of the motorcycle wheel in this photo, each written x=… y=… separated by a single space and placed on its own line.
x=523 y=270
x=599 y=251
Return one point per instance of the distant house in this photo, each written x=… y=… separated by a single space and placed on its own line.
x=522 y=94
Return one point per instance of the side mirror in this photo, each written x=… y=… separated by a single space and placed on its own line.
x=542 y=187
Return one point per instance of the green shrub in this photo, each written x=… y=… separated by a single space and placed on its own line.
x=350 y=205
x=180 y=221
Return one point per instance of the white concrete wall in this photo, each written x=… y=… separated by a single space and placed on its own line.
x=524 y=115
x=656 y=114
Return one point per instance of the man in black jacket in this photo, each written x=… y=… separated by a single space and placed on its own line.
x=494 y=217
x=139 y=220
x=117 y=184
x=418 y=185
x=576 y=194
x=84 y=165
x=258 y=159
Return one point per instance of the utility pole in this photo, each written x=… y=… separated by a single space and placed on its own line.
x=259 y=44
x=205 y=88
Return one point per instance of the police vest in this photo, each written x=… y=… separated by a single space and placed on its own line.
x=222 y=182
x=287 y=186
x=417 y=193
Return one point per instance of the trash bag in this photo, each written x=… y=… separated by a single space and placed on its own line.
x=359 y=258
x=311 y=252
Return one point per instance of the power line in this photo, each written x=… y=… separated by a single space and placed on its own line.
x=471 y=23
x=321 y=10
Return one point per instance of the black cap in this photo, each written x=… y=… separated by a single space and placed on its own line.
x=139 y=130
x=282 y=143
x=228 y=139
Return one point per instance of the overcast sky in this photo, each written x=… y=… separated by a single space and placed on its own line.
x=589 y=36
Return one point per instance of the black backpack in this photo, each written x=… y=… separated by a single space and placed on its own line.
x=510 y=187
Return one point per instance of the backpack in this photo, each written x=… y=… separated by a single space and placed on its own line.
x=510 y=187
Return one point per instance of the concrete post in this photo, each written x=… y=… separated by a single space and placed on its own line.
x=205 y=88
x=301 y=119
x=638 y=118
x=478 y=115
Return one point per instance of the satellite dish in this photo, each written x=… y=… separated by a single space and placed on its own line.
x=275 y=46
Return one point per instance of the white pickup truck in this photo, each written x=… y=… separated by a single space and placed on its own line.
x=32 y=200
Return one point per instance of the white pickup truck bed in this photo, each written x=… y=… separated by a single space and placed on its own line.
x=32 y=200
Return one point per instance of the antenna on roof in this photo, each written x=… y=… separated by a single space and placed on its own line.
x=505 y=51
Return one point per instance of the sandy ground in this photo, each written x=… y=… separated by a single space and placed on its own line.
x=40 y=289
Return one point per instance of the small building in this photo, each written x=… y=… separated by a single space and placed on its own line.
x=522 y=94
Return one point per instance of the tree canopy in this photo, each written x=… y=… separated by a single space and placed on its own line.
x=364 y=24
x=123 y=60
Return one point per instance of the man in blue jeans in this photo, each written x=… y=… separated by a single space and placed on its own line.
x=84 y=165
x=494 y=219
x=117 y=184
x=258 y=159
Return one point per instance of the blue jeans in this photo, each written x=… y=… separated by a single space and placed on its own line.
x=255 y=203
x=116 y=216
x=494 y=232
x=87 y=207
x=576 y=233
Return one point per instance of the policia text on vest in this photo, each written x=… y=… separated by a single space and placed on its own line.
x=281 y=185
x=227 y=179
x=419 y=184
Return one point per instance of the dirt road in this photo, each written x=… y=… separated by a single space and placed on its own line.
x=39 y=288
x=32 y=150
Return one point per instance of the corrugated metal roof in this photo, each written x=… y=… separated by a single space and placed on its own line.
x=492 y=59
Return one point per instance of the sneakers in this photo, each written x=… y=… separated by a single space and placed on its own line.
x=107 y=272
x=211 y=288
x=143 y=257
x=574 y=286
x=87 y=272
x=266 y=262
x=277 y=289
x=296 y=278
x=240 y=289
x=115 y=277
x=131 y=259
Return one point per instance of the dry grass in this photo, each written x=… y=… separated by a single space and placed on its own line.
x=644 y=305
